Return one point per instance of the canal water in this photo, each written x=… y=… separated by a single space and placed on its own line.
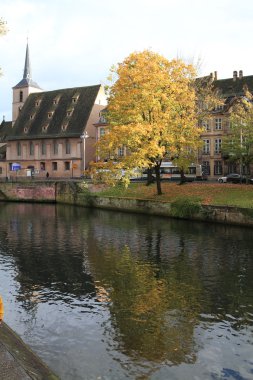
x=107 y=295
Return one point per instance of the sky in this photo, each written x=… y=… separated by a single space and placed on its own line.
x=75 y=42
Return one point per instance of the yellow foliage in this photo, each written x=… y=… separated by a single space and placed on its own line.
x=152 y=111
x=2 y=26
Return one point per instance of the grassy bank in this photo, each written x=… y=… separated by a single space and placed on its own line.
x=204 y=193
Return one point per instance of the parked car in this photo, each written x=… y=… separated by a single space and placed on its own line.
x=232 y=177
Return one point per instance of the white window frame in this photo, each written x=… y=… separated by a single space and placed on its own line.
x=218 y=123
x=206 y=125
x=121 y=151
x=217 y=146
x=217 y=168
x=206 y=146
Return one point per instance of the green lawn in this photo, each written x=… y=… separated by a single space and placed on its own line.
x=205 y=193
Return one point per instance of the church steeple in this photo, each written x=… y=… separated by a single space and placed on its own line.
x=27 y=76
x=25 y=87
x=27 y=68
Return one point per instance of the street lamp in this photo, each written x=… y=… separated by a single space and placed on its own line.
x=84 y=136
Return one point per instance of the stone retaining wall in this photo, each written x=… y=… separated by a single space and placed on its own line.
x=28 y=191
x=72 y=193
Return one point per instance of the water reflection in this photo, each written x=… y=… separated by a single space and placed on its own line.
x=45 y=254
x=157 y=291
x=153 y=311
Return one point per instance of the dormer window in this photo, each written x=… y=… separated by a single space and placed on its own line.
x=56 y=100
x=31 y=117
x=44 y=128
x=75 y=98
x=69 y=112
x=26 y=130
x=64 y=127
x=37 y=103
x=50 y=115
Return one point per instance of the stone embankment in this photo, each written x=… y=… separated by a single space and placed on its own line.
x=74 y=194
x=17 y=361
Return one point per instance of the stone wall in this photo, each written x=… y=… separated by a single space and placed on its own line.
x=72 y=193
x=28 y=191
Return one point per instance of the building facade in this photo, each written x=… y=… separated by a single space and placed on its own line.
x=52 y=133
x=217 y=125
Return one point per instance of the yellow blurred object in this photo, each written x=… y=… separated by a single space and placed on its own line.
x=1 y=309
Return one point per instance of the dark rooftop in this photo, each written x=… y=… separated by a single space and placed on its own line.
x=5 y=130
x=234 y=87
x=59 y=113
x=27 y=83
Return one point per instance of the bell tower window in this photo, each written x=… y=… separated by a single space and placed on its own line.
x=21 y=96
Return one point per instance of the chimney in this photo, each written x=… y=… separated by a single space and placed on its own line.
x=240 y=74
x=234 y=75
x=3 y=117
x=211 y=76
x=215 y=75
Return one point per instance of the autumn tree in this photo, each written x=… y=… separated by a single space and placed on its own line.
x=152 y=114
x=2 y=27
x=238 y=145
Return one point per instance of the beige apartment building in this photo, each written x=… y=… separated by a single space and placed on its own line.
x=217 y=125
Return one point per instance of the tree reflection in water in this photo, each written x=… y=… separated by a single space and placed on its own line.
x=153 y=311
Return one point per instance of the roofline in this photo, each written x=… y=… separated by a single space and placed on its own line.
x=42 y=137
x=65 y=89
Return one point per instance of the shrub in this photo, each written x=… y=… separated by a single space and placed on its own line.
x=185 y=208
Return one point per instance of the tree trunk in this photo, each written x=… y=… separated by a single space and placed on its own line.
x=247 y=175
x=182 y=177
x=150 y=178
x=158 y=180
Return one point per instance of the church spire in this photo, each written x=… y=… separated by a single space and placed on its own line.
x=27 y=76
x=27 y=69
x=25 y=87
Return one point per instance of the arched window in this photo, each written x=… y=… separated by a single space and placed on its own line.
x=68 y=147
x=31 y=148
x=21 y=96
x=55 y=147
x=43 y=148
x=18 y=149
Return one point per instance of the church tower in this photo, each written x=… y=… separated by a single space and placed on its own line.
x=25 y=87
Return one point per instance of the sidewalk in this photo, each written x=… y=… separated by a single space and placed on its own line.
x=17 y=361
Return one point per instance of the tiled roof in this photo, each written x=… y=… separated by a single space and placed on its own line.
x=59 y=113
x=230 y=87
x=5 y=130
x=27 y=83
x=3 y=152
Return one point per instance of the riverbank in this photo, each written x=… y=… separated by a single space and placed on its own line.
x=17 y=361
x=184 y=203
